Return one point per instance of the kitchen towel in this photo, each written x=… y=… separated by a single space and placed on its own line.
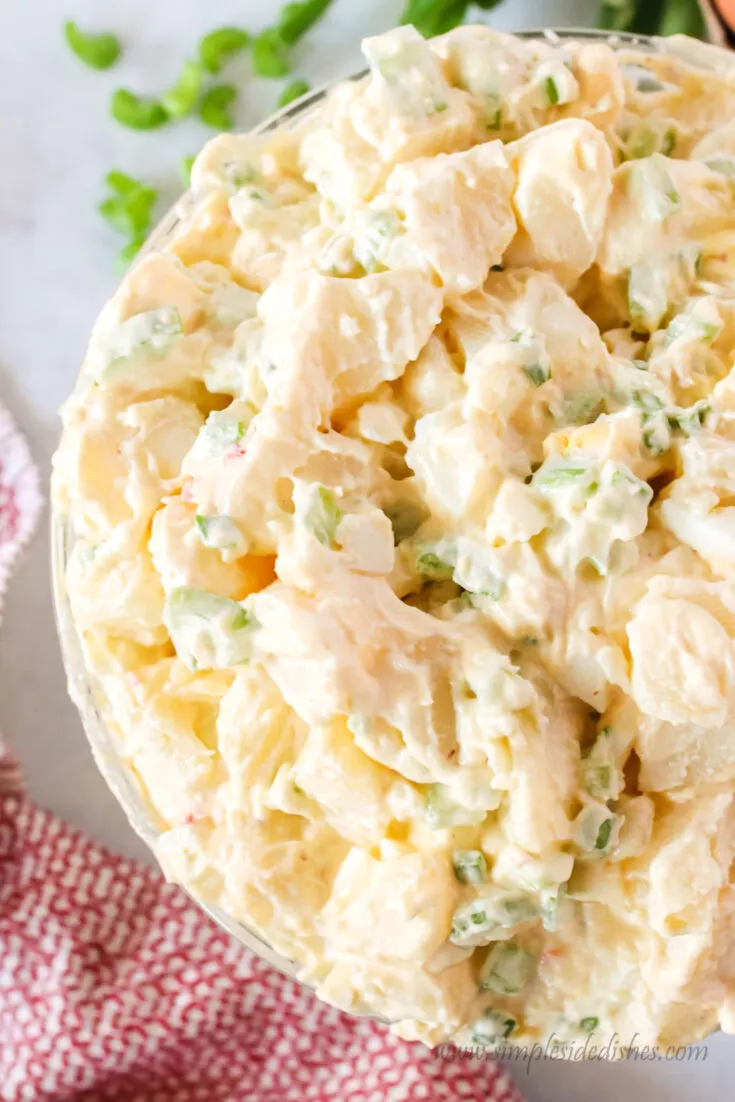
x=113 y=986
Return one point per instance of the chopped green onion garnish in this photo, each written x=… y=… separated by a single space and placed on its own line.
x=492 y=1028
x=217 y=47
x=537 y=373
x=270 y=55
x=295 y=90
x=552 y=91
x=296 y=19
x=480 y=920
x=139 y=114
x=99 y=51
x=181 y=100
x=470 y=866
x=589 y=1025
x=430 y=565
x=213 y=109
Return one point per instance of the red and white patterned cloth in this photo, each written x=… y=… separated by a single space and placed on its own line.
x=113 y=986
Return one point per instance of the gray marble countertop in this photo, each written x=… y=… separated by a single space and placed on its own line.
x=56 y=270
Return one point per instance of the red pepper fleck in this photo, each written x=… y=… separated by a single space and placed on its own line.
x=187 y=491
x=237 y=451
x=189 y=820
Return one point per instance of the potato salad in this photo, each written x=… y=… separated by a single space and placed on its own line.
x=402 y=490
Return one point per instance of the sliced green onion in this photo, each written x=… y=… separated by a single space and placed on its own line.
x=270 y=55
x=138 y=114
x=217 y=47
x=479 y=921
x=213 y=110
x=99 y=51
x=323 y=517
x=181 y=100
x=690 y=421
x=507 y=968
x=537 y=373
x=431 y=565
x=596 y=829
x=470 y=866
x=296 y=19
x=550 y=901
x=494 y=1027
x=551 y=91
x=589 y=1025
x=295 y=90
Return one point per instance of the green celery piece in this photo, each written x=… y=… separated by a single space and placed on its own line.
x=98 y=51
x=616 y=15
x=270 y=55
x=217 y=47
x=181 y=100
x=683 y=17
x=293 y=91
x=138 y=114
x=432 y=17
x=323 y=518
x=295 y=19
x=213 y=110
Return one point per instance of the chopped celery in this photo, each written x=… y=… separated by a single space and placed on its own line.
x=323 y=517
x=692 y=328
x=654 y=188
x=558 y=476
x=507 y=968
x=442 y=812
x=478 y=921
x=221 y=533
x=221 y=433
x=494 y=1027
x=470 y=866
x=150 y=332
x=208 y=631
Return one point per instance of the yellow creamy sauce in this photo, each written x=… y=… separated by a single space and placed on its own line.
x=403 y=485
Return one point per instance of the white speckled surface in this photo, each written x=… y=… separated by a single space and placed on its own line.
x=56 y=256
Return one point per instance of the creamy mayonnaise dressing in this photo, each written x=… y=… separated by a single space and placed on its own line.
x=403 y=489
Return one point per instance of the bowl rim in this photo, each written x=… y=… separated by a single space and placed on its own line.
x=85 y=692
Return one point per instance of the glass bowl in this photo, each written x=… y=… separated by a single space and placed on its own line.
x=84 y=688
